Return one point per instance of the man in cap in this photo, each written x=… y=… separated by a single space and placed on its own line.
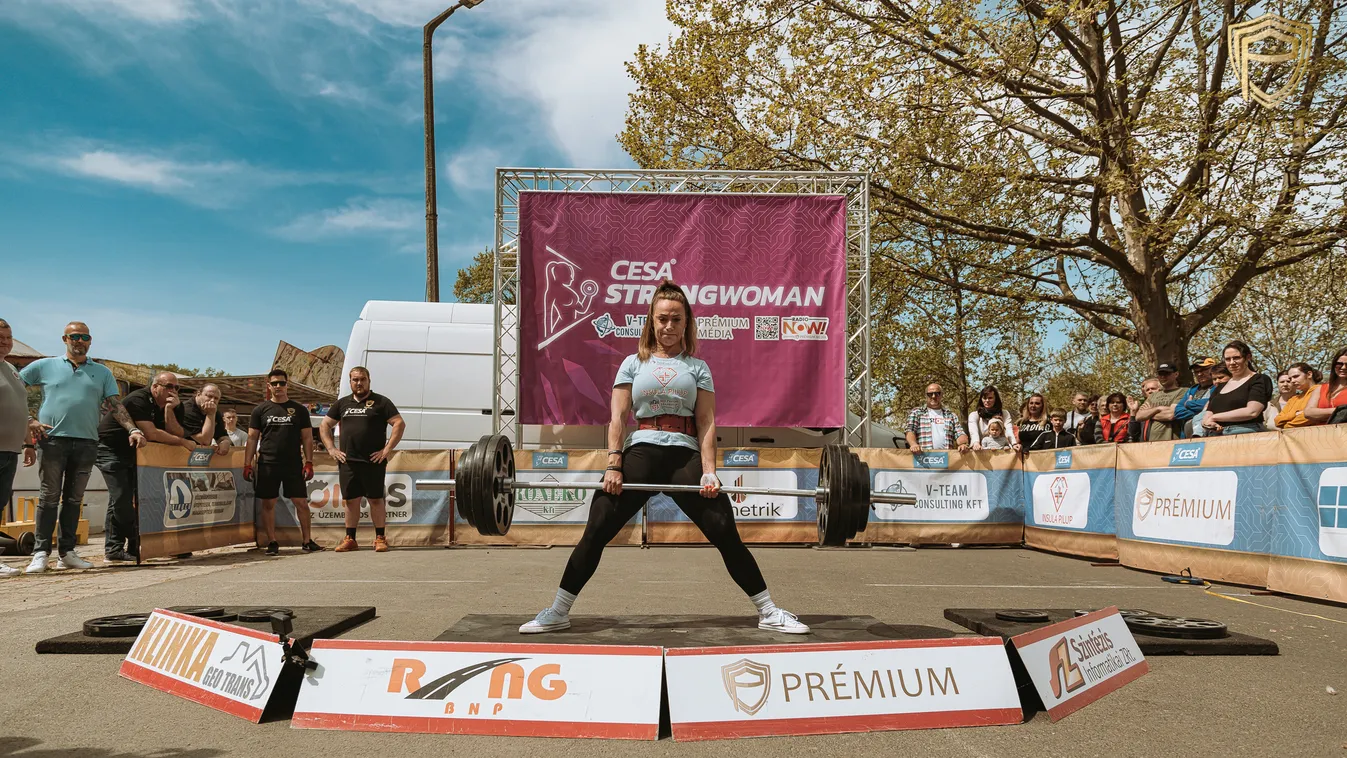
x=1157 y=413
x=1194 y=400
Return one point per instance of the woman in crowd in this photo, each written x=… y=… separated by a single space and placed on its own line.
x=1033 y=420
x=1114 y=420
x=1292 y=415
x=1285 y=391
x=989 y=409
x=996 y=438
x=1330 y=395
x=1236 y=407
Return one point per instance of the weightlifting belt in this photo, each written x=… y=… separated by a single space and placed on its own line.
x=670 y=423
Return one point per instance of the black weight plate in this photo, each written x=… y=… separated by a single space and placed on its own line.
x=1126 y=613
x=202 y=611
x=464 y=479
x=834 y=522
x=27 y=541
x=263 y=614
x=1023 y=617
x=860 y=493
x=495 y=504
x=125 y=625
x=1181 y=628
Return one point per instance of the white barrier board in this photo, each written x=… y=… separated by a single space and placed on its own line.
x=229 y=668
x=1078 y=661
x=828 y=688
x=525 y=690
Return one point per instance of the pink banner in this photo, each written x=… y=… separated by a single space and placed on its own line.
x=766 y=276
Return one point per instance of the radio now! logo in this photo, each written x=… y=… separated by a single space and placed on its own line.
x=804 y=328
x=508 y=681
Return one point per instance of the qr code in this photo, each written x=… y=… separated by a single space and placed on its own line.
x=767 y=328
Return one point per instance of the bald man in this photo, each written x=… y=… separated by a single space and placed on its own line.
x=75 y=390
x=203 y=421
x=157 y=414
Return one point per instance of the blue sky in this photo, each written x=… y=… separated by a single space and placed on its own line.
x=198 y=179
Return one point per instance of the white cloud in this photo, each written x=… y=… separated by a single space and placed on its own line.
x=150 y=11
x=138 y=170
x=389 y=217
x=473 y=168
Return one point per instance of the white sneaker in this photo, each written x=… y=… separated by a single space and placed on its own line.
x=38 y=564
x=9 y=570
x=549 y=620
x=782 y=621
x=72 y=561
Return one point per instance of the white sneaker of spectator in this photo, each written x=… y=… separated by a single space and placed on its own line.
x=9 y=570
x=72 y=561
x=38 y=564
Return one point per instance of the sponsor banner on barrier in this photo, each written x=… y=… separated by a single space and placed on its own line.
x=1062 y=500
x=1186 y=506
x=327 y=505
x=767 y=275
x=1331 y=497
x=229 y=668
x=523 y=690
x=941 y=496
x=555 y=505
x=830 y=688
x=764 y=507
x=1078 y=661
x=191 y=500
x=199 y=498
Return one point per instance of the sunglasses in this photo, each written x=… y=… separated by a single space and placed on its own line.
x=934 y=394
x=278 y=384
x=79 y=337
x=1340 y=364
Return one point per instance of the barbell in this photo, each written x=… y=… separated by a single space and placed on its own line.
x=485 y=487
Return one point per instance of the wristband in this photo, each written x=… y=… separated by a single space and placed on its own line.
x=615 y=452
x=618 y=469
x=29 y=446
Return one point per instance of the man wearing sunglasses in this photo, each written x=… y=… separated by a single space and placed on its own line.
x=280 y=439
x=75 y=393
x=935 y=427
x=157 y=413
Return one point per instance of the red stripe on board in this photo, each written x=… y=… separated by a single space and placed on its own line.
x=815 y=647
x=239 y=630
x=499 y=727
x=138 y=673
x=487 y=647
x=712 y=730
x=1062 y=627
x=1128 y=675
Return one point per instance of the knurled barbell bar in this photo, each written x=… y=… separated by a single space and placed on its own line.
x=485 y=485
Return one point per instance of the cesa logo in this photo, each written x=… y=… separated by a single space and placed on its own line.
x=804 y=328
x=741 y=458
x=748 y=683
x=200 y=458
x=1063 y=459
x=931 y=460
x=551 y=460
x=1186 y=454
x=1066 y=676
x=508 y=681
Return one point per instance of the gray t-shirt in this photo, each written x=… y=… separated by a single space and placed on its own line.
x=13 y=410
x=238 y=437
x=663 y=387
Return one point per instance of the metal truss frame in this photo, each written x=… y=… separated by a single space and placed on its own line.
x=854 y=186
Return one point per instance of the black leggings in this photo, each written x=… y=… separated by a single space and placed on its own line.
x=661 y=464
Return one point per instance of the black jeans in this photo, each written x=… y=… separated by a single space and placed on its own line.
x=120 y=526
x=9 y=466
x=659 y=464
x=64 y=471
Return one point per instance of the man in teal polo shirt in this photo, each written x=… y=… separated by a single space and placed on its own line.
x=75 y=394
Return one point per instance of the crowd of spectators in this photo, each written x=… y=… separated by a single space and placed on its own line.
x=1228 y=396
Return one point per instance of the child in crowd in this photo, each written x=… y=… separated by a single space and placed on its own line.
x=995 y=438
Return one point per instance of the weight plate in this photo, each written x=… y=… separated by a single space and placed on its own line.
x=464 y=481
x=1181 y=628
x=1126 y=613
x=484 y=486
x=495 y=503
x=833 y=522
x=860 y=494
x=1023 y=617
x=27 y=541
x=263 y=614
x=125 y=625
x=203 y=611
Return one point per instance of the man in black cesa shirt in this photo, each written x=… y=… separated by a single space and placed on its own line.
x=280 y=439
x=364 y=417
x=155 y=410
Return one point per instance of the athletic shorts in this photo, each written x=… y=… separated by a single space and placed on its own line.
x=272 y=477
x=360 y=479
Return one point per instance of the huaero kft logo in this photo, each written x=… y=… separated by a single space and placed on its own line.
x=551 y=460
x=178 y=494
x=509 y=680
x=1186 y=454
x=741 y=458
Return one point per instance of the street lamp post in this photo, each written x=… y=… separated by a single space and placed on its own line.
x=432 y=215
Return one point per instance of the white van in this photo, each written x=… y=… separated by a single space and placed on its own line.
x=433 y=360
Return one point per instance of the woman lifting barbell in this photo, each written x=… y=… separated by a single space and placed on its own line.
x=674 y=443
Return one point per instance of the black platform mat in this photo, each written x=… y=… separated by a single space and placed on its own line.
x=984 y=621
x=684 y=631
x=311 y=622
